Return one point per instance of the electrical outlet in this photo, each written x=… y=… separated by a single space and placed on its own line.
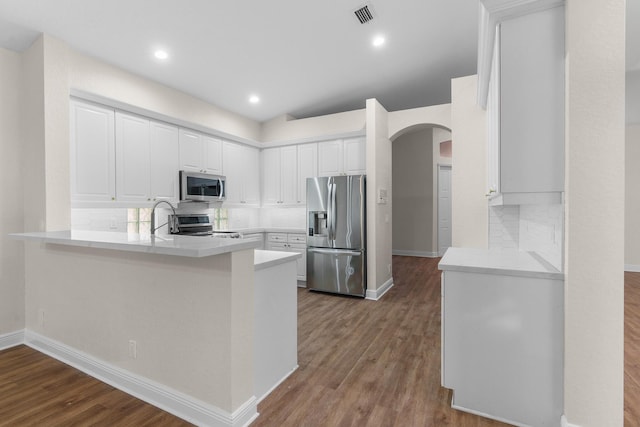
x=389 y=268
x=41 y=318
x=133 y=349
x=113 y=225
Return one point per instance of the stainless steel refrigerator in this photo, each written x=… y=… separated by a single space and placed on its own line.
x=336 y=241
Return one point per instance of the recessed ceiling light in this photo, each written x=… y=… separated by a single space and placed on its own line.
x=254 y=99
x=161 y=54
x=378 y=41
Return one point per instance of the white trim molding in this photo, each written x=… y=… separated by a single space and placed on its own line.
x=422 y=254
x=565 y=423
x=11 y=339
x=632 y=268
x=161 y=396
x=376 y=294
x=492 y=13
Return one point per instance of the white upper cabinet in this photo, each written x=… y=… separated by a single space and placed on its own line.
x=285 y=172
x=330 y=158
x=241 y=168
x=354 y=156
x=133 y=158
x=342 y=157
x=165 y=163
x=307 y=168
x=200 y=153
x=92 y=153
x=525 y=106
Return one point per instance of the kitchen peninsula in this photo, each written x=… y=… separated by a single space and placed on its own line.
x=170 y=319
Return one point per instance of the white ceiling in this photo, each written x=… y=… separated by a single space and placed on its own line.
x=302 y=58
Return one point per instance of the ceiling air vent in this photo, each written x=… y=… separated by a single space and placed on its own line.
x=364 y=14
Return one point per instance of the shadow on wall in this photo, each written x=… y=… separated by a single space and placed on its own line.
x=416 y=153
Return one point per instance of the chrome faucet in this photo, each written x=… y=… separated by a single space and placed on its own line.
x=153 y=215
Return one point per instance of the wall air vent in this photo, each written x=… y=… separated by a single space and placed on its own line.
x=364 y=14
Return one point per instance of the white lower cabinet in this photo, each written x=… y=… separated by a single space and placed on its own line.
x=502 y=346
x=257 y=237
x=290 y=242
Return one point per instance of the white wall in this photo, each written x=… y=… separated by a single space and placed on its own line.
x=379 y=219
x=11 y=194
x=402 y=121
x=413 y=197
x=633 y=97
x=286 y=128
x=594 y=216
x=632 y=198
x=469 y=173
x=90 y=75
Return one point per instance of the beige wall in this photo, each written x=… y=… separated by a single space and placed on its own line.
x=594 y=215
x=413 y=193
x=288 y=129
x=90 y=75
x=182 y=313
x=632 y=198
x=11 y=194
x=402 y=121
x=469 y=218
x=379 y=217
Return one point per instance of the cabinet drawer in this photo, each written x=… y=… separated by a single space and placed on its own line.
x=277 y=237
x=297 y=238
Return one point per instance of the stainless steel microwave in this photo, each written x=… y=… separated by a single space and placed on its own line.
x=201 y=187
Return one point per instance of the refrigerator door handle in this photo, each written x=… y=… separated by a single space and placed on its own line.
x=333 y=210
x=335 y=251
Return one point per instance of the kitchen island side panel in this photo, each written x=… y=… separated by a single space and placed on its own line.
x=191 y=318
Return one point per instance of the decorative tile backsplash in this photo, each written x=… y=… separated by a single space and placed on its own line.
x=535 y=228
x=504 y=227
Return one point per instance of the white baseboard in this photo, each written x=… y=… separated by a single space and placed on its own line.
x=11 y=339
x=163 y=397
x=565 y=423
x=261 y=398
x=376 y=294
x=633 y=268
x=422 y=254
x=482 y=414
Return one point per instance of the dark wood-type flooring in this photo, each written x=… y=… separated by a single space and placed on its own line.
x=362 y=363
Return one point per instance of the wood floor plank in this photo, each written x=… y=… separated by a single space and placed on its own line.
x=362 y=363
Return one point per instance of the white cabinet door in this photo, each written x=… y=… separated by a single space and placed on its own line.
x=251 y=175
x=164 y=161
x=354 y=150
x=212 y=155
x=132 y=158
x=232 y=169
x=288 y=175
x=92 y=153
x=200 y=153
x=532 y=57
x=271 y=176
x=307 y=168
x=191 y=151
x=330 y=158
x=242 y=168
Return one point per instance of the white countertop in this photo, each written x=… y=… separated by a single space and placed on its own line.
x=266 y=259
x=269 y=230
x=511 y=262
x=187 y=246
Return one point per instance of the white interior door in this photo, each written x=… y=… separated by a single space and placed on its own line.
x=444 y=208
